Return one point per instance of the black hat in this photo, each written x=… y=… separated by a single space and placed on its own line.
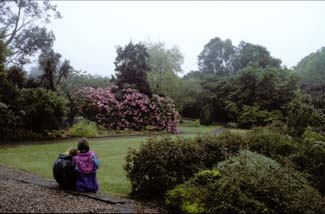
x=83 y=145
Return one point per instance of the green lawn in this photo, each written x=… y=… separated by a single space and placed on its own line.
x=111 y=176
x=189 y=128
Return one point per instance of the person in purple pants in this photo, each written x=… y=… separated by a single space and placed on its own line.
x=86 y=164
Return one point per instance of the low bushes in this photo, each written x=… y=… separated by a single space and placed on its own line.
x=190 y=196
x=8 y=122
x=301 y=114
x=42 y=109
x=30 y=114
x=307 y=154
x=254 y=116
x=310 y=136
x=84 y=128
x=218 y=174
x=248 y=183
x=160 y=164
x=218 y=148
x=311 y=158
x=270 y=143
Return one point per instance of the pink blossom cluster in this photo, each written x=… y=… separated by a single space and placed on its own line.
x=98 y=104
x=133 y=110
x=163 y=114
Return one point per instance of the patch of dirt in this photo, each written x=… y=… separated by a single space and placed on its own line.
x=23 y=192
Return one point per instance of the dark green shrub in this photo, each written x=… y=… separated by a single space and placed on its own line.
x=189 y=197
x=310 y=136
x=306 y=153
x=279 y=188
x=43 y=110
x=9 y=121
x=301 y=114
x=17 y=76
x=218 y=148
x=9 y=93
x=278 y=127
x=26 y=134
x=254 y=116
x=271 y=144
x=311 y=158
x=160 y=164
x=248 y=183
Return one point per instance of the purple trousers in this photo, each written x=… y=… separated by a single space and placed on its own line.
x=87 y=182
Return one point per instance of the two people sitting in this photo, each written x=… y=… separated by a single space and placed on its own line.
x=76 y=169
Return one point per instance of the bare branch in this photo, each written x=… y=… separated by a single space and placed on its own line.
x=5 y=27
x=25 y=24
x=16 y=25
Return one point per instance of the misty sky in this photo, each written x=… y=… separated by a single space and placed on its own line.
x=89 y=32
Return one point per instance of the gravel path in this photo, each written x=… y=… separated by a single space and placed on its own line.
x=24 y=192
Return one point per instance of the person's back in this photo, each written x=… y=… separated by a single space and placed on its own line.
x=86 y=164
x=63 y=170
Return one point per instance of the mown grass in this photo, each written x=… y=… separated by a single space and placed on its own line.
x=191 y=128
x=39 y=159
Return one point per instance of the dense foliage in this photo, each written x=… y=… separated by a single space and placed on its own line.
x=207 y=174
x=255 y=96
x=312 y=73
x=73 y=82
x=127 y=109
x=131 y=65
x=223 y=59
x=275 y=169
x=246 y=86
x=53 y=70
x=42 y=109
x=272 y=143
x=23 y=26
x=247 y=183
x=302 y=113
x=160 y=164
x=312 y=68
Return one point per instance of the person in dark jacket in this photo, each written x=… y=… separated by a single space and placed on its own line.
x=64 y=169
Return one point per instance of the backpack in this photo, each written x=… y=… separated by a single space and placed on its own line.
x=85 y=162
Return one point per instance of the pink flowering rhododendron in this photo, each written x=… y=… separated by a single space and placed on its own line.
x=133 y=110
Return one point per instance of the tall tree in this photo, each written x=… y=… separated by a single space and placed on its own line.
x=53 y=70
x=250 y=54
x=131 y=66
x=22 y=24
x=3 y=55
x=164 y=65
x=162 y=59
x=255 y=92
x=223 y=59
x=312 y=68
x=216 y=57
